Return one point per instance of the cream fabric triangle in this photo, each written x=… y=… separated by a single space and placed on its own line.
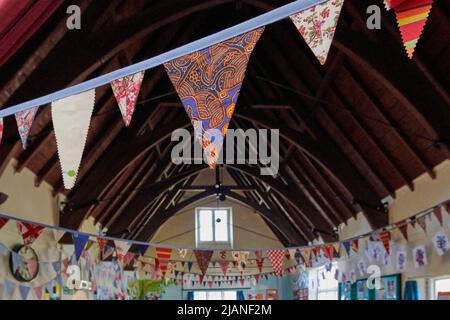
x=71 y=119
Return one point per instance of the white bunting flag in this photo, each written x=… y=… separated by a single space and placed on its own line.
x=441 y=244
x=71 y=119
x=317 y=26
x=420 y=256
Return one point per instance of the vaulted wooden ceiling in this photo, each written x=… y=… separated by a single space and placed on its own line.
x=352 y=132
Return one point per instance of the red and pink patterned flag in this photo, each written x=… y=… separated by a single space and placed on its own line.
x=24 y=121
x=317 y=26
x=276 y=257
x=29 y=232
x=208 y=83
x=385 y=237
x=203 y=258
x=224 y=266
x=163 y=255
x=126 y=91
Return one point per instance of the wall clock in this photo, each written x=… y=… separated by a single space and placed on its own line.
x=28 y=263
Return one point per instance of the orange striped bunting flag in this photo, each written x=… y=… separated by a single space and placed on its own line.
x=163 y=255
x=412 y=16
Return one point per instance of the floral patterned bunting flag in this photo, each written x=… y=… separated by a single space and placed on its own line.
x=203 y=258
x=29 y=232
x=317 y=26
x=71 y=119
x=126 y=91
x=208 y=83
x=224 y=266
x=24 y=121
x=412 y=16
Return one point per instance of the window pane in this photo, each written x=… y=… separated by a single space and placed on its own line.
x=229 y=295
x=215 y=295
x=221 y=225
x=205 y=225
x=199 y=295
x=441 y=285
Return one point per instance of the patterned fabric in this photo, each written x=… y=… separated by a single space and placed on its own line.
x=126 y=91
x=224 y=266
x=317 y=26
x=422 y=221
x=403 y=227
x=203 y=258
x=101 y=243
x=208 y=83
x=328 y=251
x=412 y=16
x=260 y=264
x=24 y=121
x=122 y=248
x=29 y=232
x=3 y=221
x=71 y=119
x=223 y=255
x=276 y=257
x=182 y=253
x=1 y=129
x=385 y=237
x=163 y=255
x=438 y=214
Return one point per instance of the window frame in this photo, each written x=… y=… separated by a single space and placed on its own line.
x=222 y=293
x=229 y=212
x=432 y=289
x=315 y=272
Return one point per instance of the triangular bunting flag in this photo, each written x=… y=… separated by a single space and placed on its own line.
x=328 y=251
x=79 y=241
x=107 y=252
x=142 y=248
x=3 y=221
x=447 y=207
x=385 y=238
x=190 y=264
x=122 y=248
x=38 y=292
x=71 y=119
x=101 y=243
x=208 y=83
x=412 y=16
x=292 y=253
x=403 y=227
x=163 y=255
x=337 y=249
x=317 y=26
x=346 y=245
x=24 y=292
x=126 y=91
x=8 y=288
x=224 y=266
x=24 y=120
x=422 y=221
x=438 y=214
x=57 y=266
x=29 y=232
x=260 y=264
x=203 y=258
x=355 y=246
x=306 y=254
x=276 y=257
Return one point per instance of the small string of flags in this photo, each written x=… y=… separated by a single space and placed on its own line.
x=208 y=82
x=164 y=261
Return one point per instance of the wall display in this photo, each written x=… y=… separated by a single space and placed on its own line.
x=390 y=288
x=345 y=291
x=362 y=291
x=272 y=294
x=24 y=263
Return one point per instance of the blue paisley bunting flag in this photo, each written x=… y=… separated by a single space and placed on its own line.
x=71 y=119
x=208 y=83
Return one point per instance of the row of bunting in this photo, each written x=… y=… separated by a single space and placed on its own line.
x=208 y=82
x=163 y=260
